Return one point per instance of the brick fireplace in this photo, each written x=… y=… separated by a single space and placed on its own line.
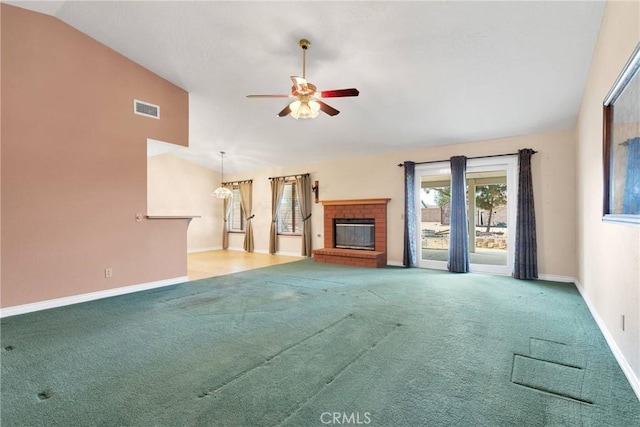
x=360 y=209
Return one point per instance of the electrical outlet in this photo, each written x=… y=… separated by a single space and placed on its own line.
x=108 y=272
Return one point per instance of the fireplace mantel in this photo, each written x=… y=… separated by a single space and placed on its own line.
x=355 y=202
x=375 y=209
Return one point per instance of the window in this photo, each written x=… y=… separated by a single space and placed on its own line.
x=289 y=217
x=236 y=215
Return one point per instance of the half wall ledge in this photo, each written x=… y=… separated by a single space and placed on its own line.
x=187 y=217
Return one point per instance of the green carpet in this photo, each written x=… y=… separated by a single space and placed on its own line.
x=306 y=344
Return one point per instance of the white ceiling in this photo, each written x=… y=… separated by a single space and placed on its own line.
x=429 y=73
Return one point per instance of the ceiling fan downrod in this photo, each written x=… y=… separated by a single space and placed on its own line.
x=304 y=44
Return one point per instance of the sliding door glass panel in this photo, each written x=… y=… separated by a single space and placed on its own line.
x=491 y=208
x=488 y=220
x=434 y=212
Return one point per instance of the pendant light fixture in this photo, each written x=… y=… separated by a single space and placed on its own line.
x=221 y=192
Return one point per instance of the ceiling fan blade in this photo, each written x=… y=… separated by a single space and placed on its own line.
x=285 y=111
x=336 y=93
x=328 y=109
x=270 y=96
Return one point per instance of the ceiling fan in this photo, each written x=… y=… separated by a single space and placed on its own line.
x=307 y=104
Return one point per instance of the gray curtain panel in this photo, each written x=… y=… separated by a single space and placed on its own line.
x=409 y=258
x=459 y=231
x=246 y=196
x=526 y=256
x=304 y=201
x=277 y=191
x=631 y=201
x=226 y=206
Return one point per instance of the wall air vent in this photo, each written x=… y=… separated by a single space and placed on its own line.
x=146 y=109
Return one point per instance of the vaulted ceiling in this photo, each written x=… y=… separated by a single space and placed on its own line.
x=429 y=73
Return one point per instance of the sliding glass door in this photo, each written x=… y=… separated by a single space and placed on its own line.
x=491 y=197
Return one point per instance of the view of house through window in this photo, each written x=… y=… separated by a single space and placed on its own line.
x=236 y=216
x=289 y=217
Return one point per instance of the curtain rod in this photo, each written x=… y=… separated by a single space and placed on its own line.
x=477 y=157
x=237 y=182
x=288 y=176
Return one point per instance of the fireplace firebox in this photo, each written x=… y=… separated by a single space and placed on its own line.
x=354 y=233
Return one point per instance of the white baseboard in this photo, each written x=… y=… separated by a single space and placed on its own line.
x=75 y=299
x=555 y=278
x=262 y=251
x=296 y=254
x=197 y=250
x=395 y=263
x=622 y=361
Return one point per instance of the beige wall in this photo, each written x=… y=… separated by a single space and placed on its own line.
x=179 y=187
x=379 y=177
x=74 y=164
x=608 y=254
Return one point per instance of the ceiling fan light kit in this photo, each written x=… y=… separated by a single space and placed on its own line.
x=304 y=109
x=307 y=104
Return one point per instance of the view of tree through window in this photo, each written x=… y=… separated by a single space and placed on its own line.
x=289 y=218
x=489 y=198
x=237 y=218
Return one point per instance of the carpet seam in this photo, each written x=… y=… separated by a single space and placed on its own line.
x=554 y=394
x=548 y=391
x=567 y=365
x=339 y=372
x=270 y=358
